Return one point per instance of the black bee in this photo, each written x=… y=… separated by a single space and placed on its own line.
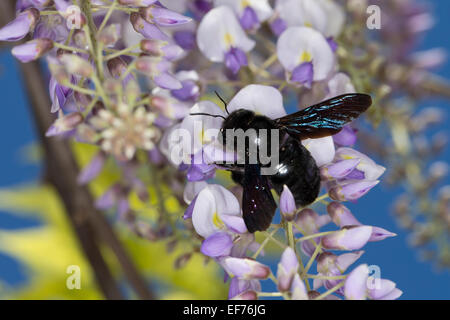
x=296 y=168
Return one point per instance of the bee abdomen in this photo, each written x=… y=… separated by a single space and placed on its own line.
x=298 y=171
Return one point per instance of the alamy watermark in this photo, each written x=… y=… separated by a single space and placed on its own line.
x=232 y=147
x=74 y=280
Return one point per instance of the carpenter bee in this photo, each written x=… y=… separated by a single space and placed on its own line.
x=296 y=167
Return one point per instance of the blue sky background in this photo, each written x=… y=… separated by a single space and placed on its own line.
x=398 y=261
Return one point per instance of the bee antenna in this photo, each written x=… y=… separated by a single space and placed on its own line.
x=223 y=101
x=207 y=114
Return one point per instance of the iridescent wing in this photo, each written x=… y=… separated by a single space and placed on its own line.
x=258 y=205
x=326 y=118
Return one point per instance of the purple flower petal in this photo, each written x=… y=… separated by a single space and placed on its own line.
x=333 y=44
x=185 y=39
x=93 y=169
x=352 y=191
x=246 y=269
x=339 y=169
x=287 y=269
x=234 y=223
x=32 y=50
x=351 y=238
x=346 y=137
x=249 y=19
x=217 y=245
x=287 y=204
x=148 y=30
x=235 y=58
x=163 y=17
x=379 y=234
x=167 y=81
x=303 y=74
x=20 y=26
x=278 y=26
x=189 y=91
x=355 y=287
x=340 y=215
x=108 y=199
x=238 y=286
x=190 y=209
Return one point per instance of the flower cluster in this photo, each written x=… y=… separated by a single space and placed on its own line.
x=128 y=75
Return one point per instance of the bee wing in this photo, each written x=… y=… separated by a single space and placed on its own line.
x=326 y=118
x=258 y=205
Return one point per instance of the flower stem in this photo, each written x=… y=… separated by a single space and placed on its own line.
x=327 y=293
x=264 y=243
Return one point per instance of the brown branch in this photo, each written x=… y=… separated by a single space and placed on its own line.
x=62 y=172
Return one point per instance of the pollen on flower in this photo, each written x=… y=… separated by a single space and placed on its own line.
x=217 y=221
x=305 y=57
x=229 y=40
x=245 y=4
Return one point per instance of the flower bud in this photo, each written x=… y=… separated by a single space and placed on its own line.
x=116 y=66
x=161 y=49
x=287 y=269
x=340 y=215
x=152 y=66
x=132 y=91
x=287 y=204
x=352 y=191
x=112 y=86
x=77 y=65
x=298 y=289
x=20 y=26
x=79 y=37
x=64 y=124
x=162 y=16
x=32 y=50
x=349 y=238
x=148 y=30
x=339 y=169
x=246 y=268
x=355 y=287
x=247 y=295
x=109 y=35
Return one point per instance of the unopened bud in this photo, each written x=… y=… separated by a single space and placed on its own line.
x=64 y=124
x=32 y=50
x=162 y=16
x=109 y=35
x=77 y=65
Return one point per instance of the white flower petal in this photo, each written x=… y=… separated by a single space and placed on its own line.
x=339 y=84
x=192 y=189
x=261 y=99
x=302 y=13
x=335 y=17
x=261 y=7
x=371 y=170
x=201 y=128
x=295 y=42
x=212 y=202
x=218 y=31
x=322 y=149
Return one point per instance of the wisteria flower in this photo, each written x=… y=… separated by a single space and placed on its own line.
x=324 y=16
x=251 y=13
x=305 y=54
x=221 y=39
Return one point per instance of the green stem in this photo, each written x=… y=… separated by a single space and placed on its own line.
x=326 y=294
